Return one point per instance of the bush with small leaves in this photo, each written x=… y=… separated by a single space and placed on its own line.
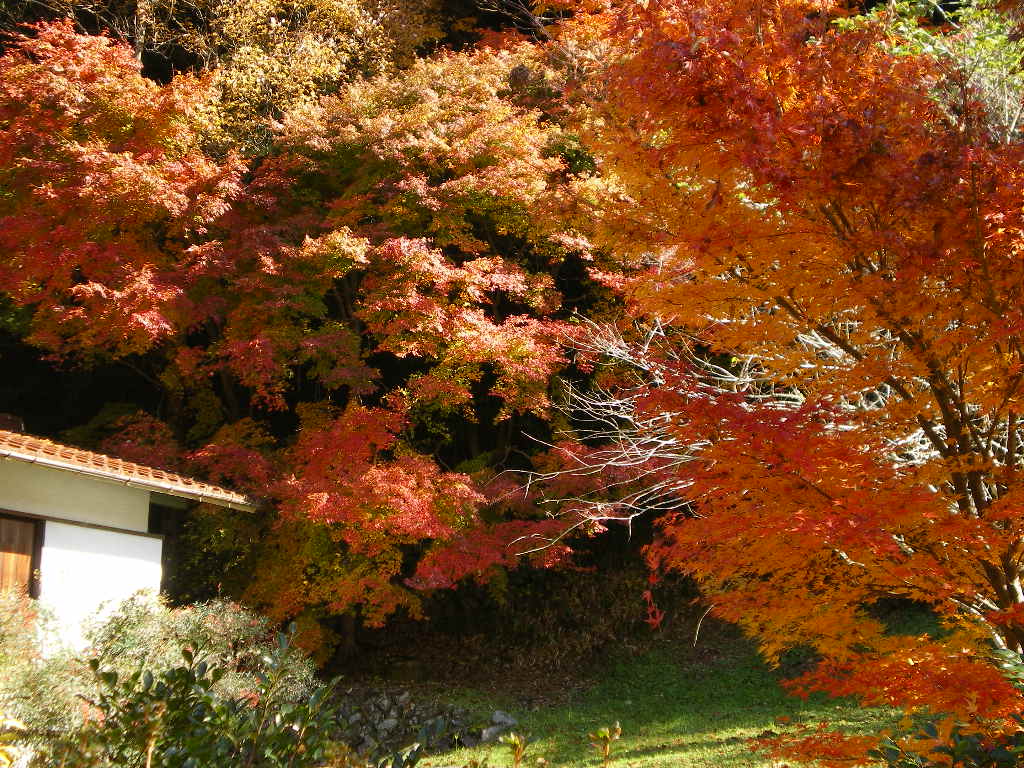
x=48 y=692
x=961 y=748
x=143 y=631
x=934 y=744
x=175 y=720
x=38 y=690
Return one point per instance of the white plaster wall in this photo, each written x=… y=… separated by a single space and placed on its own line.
x=83 y=568
x=40 y=490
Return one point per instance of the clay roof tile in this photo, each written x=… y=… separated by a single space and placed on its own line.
x=38 y=450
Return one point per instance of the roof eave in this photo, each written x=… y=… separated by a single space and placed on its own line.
x=147 y=485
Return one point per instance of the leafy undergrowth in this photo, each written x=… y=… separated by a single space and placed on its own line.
x=678 y=707
x=671 y=715
x=684 y=698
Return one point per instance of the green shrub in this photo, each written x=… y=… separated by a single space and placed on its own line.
x=245 y=696
x=49 y=693
x=37 y=690
x=175 y=719
x=144 y=632
x=964 y=747
x=961 y=749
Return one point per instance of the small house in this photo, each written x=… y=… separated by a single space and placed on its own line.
x=79 y=529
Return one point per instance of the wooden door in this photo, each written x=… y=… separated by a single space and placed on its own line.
x=17 y=552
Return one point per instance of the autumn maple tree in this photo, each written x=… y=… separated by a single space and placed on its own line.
x=322 y=322
x=814 y=216
x=827 y=398
x=106 y=191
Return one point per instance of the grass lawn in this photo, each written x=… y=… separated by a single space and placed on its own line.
x=676 y=709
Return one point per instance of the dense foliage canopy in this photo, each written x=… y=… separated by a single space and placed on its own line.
x=331 y=325
x=356 y=278
x=829 y=213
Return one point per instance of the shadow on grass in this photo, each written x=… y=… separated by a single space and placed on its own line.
x=677 y=706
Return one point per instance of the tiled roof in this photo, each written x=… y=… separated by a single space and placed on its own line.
x=38 y=450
